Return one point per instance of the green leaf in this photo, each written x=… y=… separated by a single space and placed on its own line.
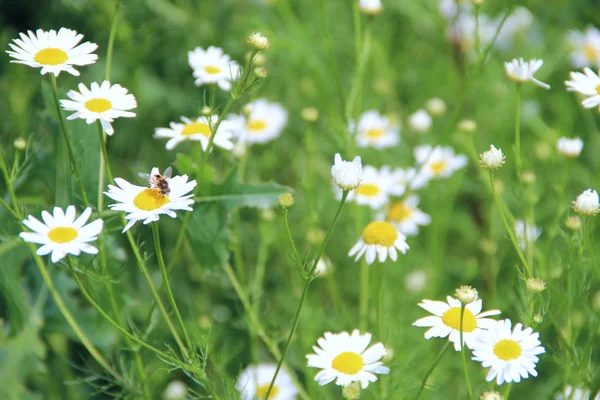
x=233 y=193
x=208 y=233
x=12 y=254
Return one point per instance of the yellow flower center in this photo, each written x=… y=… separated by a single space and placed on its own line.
x=348 y=363
x=368 y=189
x=63 y=234
x=257 y=125
x=437 y=167
x=195 y=128
x=212 y=70
x=598 y=89
x=98 y=105
x=51 y=56
x=150 y=199
x=374 y=133
x=451 y=318
x=507 y=349
x=590 y=52
x=261 y=391
x=399 y=212
x=379 y=232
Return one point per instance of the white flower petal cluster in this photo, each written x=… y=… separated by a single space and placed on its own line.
x=370 y=7
x=587 y=203
x=587 y=84
x=526 y=232
x=436 y=163
x=575 y=393
x=569 y=147
x=213 y=66
x=379 y=240
x=375 y=130
x=522 y=71
x=346 y=175
x=198 y=130
x=53 y=51
x=265 y=121
x=492 y=159
x=345 y=358
x=62 y=234
x=420 y=121
x=253 y=383
x=103 y=102
x=511 y=354
x=584 y=47
x=373 y=189
x=405 y=215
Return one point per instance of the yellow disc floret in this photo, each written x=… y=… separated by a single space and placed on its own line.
x=98 y=105
x=195 y=128
x=381 y=233
x=63 y=234
x=348 y=363
x=451 y=318
x=507 y=349
x=51 y=56
x=150 y=199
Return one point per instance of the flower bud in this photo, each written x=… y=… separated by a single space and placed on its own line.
x=260 y=72
x=466 y=294
x=587 y=203
x=310 y=114
x=258 y=41
x=346 y=174
x=492 y=159
x=535 y=285
x=573 y=223
x=20 y=143
x=467 y=126
x=205 y=110
x=477 y=2
x=176 y=390
x=436 y=106
x=491 y=396
x=420 y=121
x=528 y=177
x=568 y=147
x=370 y=7
x=285 y=200
x=351 y=392
x=324 y=267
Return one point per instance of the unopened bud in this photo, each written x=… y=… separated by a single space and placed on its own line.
x=528 y=177
x=258 y=41
x=205 y=110
x=389 y=355
x=20 y=143
x=315 y=236
x=310 y=114
x=573 y=223
x=538 y=319
x=466 y=294
x=259 y=59
x=268 y=215
x=285 y=200
x=467 y=126
x=351 y=392
x=477 y=2
x=247 y=109
x=176 y=390
x=491 y=396
x=535 y=285
x=436 y=106
x=260 y=72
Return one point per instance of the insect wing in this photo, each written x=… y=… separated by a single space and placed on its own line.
x=168 y=172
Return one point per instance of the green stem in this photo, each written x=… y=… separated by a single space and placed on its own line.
x=297 y=259
x=111 y=40
x=518 y=131
x=307 y=281
x=380 y=302
x=433 y=366
x=50 y=284
x=588 y=244
x=477 y=37
x=308 y=176
x=462 y=352
x=363 y=306
x=165 y=276
x=507 y=226
x=507 y=392
x=63 y=130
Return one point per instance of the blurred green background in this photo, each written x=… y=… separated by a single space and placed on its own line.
x=311 y=62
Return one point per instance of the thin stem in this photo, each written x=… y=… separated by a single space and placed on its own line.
x=158 y=301
x=588 y=243
x=165 y=276
x=363 y=307
x=507 y=392
x=63 y=130
x=308 y=176
x=111 y=40
x=50 y=284
x=433 y=366
x=297 y=258
x=307 y=281
x=462 y=352
x=380 y=301
x=508 y=227
x=477 y=37
x=518 y=130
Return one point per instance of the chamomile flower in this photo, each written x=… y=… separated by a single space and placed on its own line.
x=199 y=131
x=405 y=216
x=344 y=358
x=526 y=232
x=53 y=51
x=62 y=234
x=375 y=130
x=446 y=320
x=569 y=147
x=213 y=66
x=103 y=102
x=265 y=121
x=511 y=354
x=587 y=203
x=142 y=203
x=379 y=240
x=575 y=393
x=370 y=7
x=399 y=180
x=587 y=84
x=373 y=188
x=253 y=383
x=435 y=163
x=584 y=47
x=346 y=174
x=420 y=121
x=522 y=71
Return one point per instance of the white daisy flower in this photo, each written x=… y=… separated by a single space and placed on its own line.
x=569 y=147
x=420 y=121
x=264 y=123
x=511 y=355
x=103 y=102
x=587 y=203
x=53 y=51
x=375 y=130
x=346 y=359
x=199 y=131
x=522 y=71
x=379 y=239
x=446 y=320
x=588 y=85
x=373 y=189
x=399 y=180
x=62 y=234
x=253 y=383
x=575 y=393
x=405 y=216
x=526 y=233
x=148 y=203
x=437 y=162
x=370 y=7
x=584 y=47
x=213 y=66
x=346 y=174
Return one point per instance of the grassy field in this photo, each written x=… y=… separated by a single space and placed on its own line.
x=243 y=287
